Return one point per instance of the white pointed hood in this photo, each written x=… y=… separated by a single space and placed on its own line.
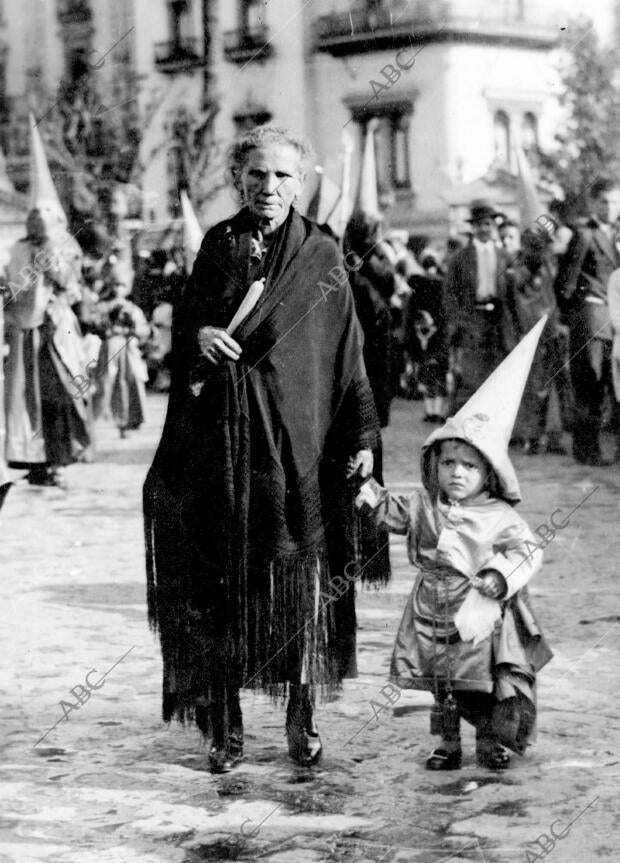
x=529 y=200
x=487 y=419
x=192 y=232
x=367 y=200
x=43 y=195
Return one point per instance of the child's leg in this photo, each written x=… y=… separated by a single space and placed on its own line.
x=477 y=708
x=447 y=756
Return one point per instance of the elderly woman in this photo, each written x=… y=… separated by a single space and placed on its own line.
x=247 y=500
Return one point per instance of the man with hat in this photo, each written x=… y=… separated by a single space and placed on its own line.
x=474 y=305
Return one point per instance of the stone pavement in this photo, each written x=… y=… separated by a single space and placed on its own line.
x=106 y=781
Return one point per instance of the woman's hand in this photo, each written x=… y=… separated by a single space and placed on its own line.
x=492 y=584
x=362 y=461
x=215 y=344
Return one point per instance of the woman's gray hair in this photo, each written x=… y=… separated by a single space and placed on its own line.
x=262 y=136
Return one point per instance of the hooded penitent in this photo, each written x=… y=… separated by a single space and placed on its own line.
x=487 y=419
x=45 y=363
x=192 y=232
x=44 y=197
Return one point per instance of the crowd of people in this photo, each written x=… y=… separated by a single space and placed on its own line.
x=438 y=321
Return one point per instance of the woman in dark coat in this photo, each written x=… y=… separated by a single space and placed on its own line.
x=247 y=500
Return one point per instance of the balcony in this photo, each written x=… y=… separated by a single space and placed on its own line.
x=182 y=55
x=245 y=46
x=510 y=22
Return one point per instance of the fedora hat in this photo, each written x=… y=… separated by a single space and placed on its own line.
x=481 y=209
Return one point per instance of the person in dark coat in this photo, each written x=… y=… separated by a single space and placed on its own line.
x=246 y=503
x=581 y=289
x=372 y=283
x=528 y=288
x=425 y=337
x=474 y=305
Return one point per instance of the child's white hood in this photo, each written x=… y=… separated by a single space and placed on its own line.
x=487 y=419
x=479 y=431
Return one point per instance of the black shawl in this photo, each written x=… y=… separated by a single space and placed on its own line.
x=247 y=509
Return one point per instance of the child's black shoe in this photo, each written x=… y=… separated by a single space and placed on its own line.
x=441 y=759
x=493 y=757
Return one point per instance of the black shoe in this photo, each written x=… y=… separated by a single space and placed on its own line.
x=494 y=757
x=441 y=759
x=220 y=760
x=47 y=476
x=38 y=475
x=304 y=746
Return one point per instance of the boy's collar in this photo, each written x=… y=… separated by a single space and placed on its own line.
x=480 y=498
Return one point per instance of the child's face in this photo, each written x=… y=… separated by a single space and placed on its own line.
x=461 y=472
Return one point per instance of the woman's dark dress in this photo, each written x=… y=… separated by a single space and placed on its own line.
x=247 y=508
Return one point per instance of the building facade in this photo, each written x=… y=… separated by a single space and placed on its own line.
x=445 y=86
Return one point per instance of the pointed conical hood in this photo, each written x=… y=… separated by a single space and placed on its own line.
x=325 y=203
x=315 y=201
x=529 y=200
x=487 y=419
x=192 y=232
x=43 y=194
x=367 y=200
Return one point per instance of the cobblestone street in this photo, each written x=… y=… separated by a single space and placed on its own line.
x=107 y=781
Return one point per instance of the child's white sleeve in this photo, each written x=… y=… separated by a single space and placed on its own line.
x=392 y=510
x=517 y=556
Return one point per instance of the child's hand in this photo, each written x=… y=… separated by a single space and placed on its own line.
x=362 y=461
x=492 y=583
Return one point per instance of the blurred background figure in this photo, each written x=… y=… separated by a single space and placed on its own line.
x=563 y=232
x=509 y=237
x=425 y=336
x=5 y=481
x=372 y=280
x=159 y=348
x=46 y=408
x=121 y=372
x=474 y=305
x=528 y=288
x=581 y=289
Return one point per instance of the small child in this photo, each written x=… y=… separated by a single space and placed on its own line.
x=121 y=371
x=467 y=632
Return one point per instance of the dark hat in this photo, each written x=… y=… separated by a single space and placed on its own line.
x=481 y=209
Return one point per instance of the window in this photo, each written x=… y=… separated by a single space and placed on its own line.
x=529 y=131
x=400 y=152
x=501 y=130
x=391 y=132
x=180 y=21
x=251 y=13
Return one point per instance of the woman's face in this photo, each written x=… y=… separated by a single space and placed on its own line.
x=271 y=180
x=461 y=472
